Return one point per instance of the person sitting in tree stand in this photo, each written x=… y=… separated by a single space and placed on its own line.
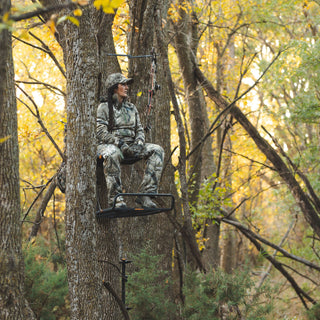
x=121 y=137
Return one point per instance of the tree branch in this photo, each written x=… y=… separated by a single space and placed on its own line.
x=42 y=207
x=118 y=300
x=253 y=238
x=48 y=86
x=37 y=115
x=50 y=53
x=306 y=181
x=300 y=196
x=273 y=255
x=285 y=253
x=36 y=198
x=45 y=10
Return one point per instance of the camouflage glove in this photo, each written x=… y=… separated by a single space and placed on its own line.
x=123 y=148
x=133 y=151
x=136 y=149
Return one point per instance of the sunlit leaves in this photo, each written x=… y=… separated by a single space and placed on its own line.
x=212 y=197
x=70 y=18
x=108 y=6
x=175 y=10
x=38 y=158
x=77 y=12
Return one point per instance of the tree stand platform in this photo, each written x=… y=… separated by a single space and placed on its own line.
x=125 y=212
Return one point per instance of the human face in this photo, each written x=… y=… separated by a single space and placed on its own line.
x=122 y=91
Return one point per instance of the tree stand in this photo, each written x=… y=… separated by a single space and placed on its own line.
x=125 y=212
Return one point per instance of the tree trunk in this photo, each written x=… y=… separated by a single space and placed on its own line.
x=201 y=162
x=183 y=219
x=108 y=235
x=186 y=42
x=88 y=296
x=154 y=230
x=12 y=303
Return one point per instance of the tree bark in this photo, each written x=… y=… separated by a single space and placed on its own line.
x=153 y=229
x=201 y=162
x=12 y=302
x=88 y=297
x=186 y=42
x=185 y=228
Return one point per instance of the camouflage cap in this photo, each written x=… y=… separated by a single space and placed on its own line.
x=116 y=78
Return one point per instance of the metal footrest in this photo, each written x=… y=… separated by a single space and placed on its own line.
x=125 y=212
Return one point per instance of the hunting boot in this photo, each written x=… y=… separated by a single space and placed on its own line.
x=120 y=203
x=146 y=202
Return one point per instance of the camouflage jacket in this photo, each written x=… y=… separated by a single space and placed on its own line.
x=127 y=125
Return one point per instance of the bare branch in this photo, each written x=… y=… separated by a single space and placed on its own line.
x=285 y=253
x=44 y=49
x=40 y=212
x=50 y=53
x=48 y=86
x=279 y=266
x=274 y=254
x=117 y=298
x=44 y=10
x=37 y=115
x=36 y=198
x=314 y=197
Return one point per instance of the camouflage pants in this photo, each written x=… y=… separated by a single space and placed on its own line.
x=153 y=154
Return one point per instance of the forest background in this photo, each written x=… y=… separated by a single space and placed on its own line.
x=238 y=117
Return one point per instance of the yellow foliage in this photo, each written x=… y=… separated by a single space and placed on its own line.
x=2 y=140
x=108 y=6
x=200 y=240
x=77 y=12
x=39 y=160
x=51 y=25
x=83 y=2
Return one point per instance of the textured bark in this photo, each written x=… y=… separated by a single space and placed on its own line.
x=108 y=236
x=88 y=297
x=85 y=287
x=201 y=162
x=186 y=42
x=12 y=303
x=184 y=225
x=153 y=229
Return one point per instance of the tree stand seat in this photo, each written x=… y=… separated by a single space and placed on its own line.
x=125 y=212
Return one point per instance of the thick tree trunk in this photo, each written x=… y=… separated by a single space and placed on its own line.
x=12 y=303
x=186 y=42
x=201 y=162
x=153 y=229
x=184 y=225
x=88 y=296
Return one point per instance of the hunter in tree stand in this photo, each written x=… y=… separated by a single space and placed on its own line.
x=121 y=140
